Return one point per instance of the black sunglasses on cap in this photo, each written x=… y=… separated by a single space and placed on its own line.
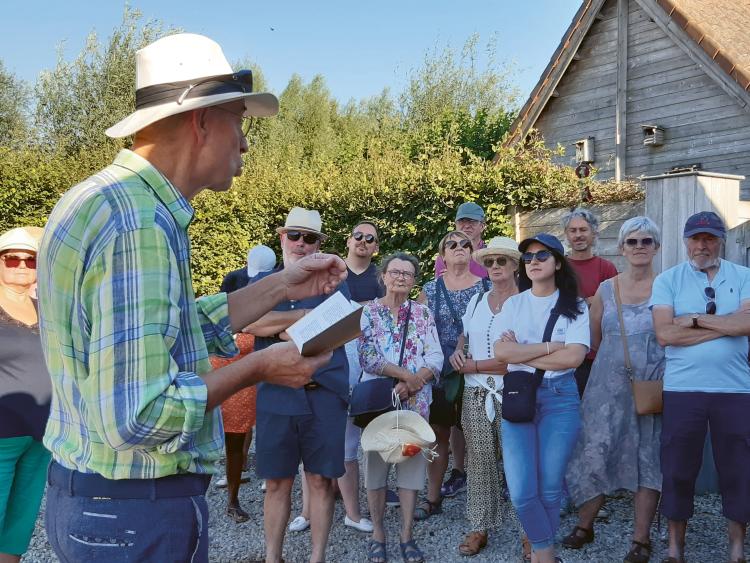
x=308 y=238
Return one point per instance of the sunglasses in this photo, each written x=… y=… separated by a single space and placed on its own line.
x=12 y=261
x=711 y=305
x=645 y=242
x=499 y=260
x=309 y=238
x=541 y=256
x=453 y=244
x=400 y=274
x=369 y=239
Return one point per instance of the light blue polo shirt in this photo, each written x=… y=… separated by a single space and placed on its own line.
x=717 y=366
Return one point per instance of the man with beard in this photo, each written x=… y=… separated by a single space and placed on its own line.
x=362 y=245
x=581 y=229
x=307 y=424
x=701 y=311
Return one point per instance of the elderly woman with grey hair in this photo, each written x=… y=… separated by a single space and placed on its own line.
x=618 y=448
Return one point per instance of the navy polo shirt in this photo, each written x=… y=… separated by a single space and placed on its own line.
x=234 y=280
x=365 y=286
x=334 y=376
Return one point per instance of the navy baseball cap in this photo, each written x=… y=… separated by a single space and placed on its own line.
x=548 y=240
x=705 y=222
x=470 y=210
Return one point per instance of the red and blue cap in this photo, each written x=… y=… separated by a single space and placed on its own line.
x=705 y=222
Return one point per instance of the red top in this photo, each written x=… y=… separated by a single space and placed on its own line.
x=591 y=272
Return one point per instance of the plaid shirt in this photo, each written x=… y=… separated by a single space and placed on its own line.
x=123 y=335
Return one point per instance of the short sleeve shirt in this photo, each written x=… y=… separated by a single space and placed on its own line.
x=482 y=327
x=364 y=286
x=717 y=366
x=526 y=315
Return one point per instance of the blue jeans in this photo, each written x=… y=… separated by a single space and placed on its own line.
x=536 y=455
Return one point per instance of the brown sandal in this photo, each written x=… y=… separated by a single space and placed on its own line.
x=427 y=509
x=473 y=543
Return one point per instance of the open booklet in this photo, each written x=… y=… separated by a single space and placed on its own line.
x=331 y=324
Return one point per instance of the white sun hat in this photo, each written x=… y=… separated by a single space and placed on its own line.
x=183 y=72
x=304 y=220
x=390 y=432
x=260 y=258
x=18 y=239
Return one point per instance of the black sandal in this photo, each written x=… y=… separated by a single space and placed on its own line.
x=640 y=553
x=237 y=514
x=574 y=540
x=376 y=552
x=410 y=553
x=427 y=509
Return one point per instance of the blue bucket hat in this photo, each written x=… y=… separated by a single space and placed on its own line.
x=548 y=240
x=470 y=210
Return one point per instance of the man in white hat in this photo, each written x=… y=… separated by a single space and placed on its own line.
x=300 y=425
x=133 y=431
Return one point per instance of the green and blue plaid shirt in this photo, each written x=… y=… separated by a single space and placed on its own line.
x=123 y=335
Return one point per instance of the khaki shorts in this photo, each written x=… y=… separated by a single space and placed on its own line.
x=410 y=474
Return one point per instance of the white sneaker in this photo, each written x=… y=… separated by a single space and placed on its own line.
x=299 y=524
x=263 y=486
x=364 y=525
x=244 y=478
x=221 y=482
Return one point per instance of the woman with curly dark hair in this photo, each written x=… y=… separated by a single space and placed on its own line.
x=545 y=336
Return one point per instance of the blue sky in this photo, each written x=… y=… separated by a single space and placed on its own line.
x=358 y=47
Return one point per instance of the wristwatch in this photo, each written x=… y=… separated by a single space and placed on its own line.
x=695 y=320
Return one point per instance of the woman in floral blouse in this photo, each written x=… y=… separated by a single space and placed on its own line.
x=383 y=322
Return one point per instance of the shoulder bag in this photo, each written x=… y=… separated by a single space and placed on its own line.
x=647 y=395
x=519 y=387
x=374 y=397
x=451 y=381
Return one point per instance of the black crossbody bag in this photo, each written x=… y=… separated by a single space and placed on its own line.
x=519 y=387
x=374 y=397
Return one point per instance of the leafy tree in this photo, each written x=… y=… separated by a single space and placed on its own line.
x=14 y=101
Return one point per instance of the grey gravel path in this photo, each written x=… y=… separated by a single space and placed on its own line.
x=438 y=537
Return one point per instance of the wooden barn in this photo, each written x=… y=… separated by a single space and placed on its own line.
x=642 y=87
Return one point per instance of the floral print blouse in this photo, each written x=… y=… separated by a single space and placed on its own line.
x=380 y=344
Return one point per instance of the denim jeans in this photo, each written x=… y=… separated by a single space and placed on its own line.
x=536 y=455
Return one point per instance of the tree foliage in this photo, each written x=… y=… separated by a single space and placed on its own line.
x=14 y=101
x=405 y=162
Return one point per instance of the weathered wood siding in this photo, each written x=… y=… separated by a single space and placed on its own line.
x=664 y=86
x=611 y=217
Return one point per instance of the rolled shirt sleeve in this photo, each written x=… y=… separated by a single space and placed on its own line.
x=132 y=297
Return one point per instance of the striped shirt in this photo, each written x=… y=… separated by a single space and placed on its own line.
x=123 y=335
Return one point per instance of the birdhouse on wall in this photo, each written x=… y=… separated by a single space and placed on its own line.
x=653 y=135
x=585 y=150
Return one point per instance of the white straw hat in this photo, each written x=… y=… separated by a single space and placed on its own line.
x=504 y=246
x=390 y=432
x=304 y=220
x=183 y=72
x=18 y=239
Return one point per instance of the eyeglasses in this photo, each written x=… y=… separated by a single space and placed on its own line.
x=246 y=121
x=400 y=274
x=309 y=238
x=499 y=260
x=711 y=305
x=358 y=236
x=541 y=256
x=645 y=242
x=12 y=261
x=452 y=244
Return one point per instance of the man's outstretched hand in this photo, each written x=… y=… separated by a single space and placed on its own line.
x=317 y=274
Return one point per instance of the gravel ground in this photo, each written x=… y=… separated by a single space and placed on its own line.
x=438 y=537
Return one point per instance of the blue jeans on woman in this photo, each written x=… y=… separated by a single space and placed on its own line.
x=536 y=455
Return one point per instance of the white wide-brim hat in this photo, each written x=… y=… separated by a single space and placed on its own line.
x=18 y=239
x=389 y=432
x=303 y=220
x=183 y=72
x=498 y=246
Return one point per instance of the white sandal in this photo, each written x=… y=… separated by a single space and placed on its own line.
x=299 y=524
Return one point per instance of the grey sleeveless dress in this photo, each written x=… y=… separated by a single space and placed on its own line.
x=617 y=448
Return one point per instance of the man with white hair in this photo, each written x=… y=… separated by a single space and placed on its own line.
x=300 y=425
x=134 y=430
x=701 y=311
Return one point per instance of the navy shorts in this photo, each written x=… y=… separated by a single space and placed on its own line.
x=442 y=411
x=685 y=421
x=317 y=439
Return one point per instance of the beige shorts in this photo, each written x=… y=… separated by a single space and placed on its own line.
x=410 y=474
